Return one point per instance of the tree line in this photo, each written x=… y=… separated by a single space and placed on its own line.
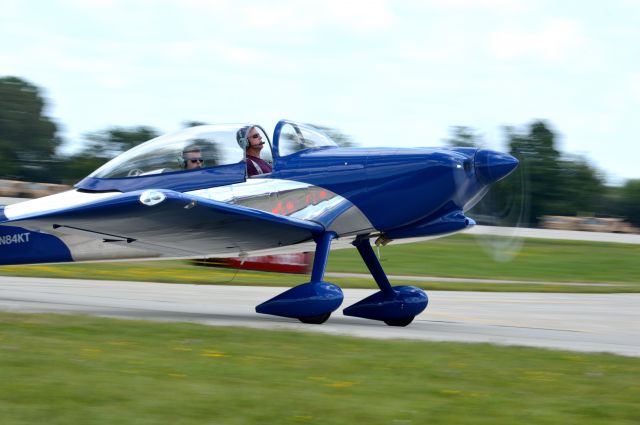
x=549 y=182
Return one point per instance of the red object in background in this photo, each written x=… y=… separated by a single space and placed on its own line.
x=298 y=263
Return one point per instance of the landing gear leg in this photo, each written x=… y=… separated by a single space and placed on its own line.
x=314 y=301
x=374 y=266
x=394 y=305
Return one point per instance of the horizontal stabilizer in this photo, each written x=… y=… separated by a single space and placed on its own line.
x=22 y=246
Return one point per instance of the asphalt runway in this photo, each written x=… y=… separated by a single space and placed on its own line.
x=577 y=322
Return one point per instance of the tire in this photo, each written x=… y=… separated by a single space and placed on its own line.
x=402 y=322
x=315 y=320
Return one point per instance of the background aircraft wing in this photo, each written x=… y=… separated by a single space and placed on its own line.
x=173 y=222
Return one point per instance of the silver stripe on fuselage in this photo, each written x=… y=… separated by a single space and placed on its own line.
x=293 y=199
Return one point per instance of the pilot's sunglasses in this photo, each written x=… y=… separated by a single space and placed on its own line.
x=196 y=160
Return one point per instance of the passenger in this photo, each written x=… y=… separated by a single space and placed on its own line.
x=192 y=157
x=250 y=139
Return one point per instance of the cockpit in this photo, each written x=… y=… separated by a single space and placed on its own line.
x=213 y=145
x=207 y=155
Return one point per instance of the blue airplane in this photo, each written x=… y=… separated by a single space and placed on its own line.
x=190 y=195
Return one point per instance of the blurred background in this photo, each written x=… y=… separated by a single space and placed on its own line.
x=556 y=85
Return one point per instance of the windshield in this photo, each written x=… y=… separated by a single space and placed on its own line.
x=190 y=149
x=293 y=137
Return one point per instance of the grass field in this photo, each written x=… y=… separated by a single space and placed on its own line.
x=539 y=259
x=456 y=256
x=58 y=369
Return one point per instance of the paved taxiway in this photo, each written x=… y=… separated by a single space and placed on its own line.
x=580 y=322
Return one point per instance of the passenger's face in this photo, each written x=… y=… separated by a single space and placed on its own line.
x=193 y=160
x=255 y=139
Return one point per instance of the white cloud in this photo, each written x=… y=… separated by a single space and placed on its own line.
x=634 y=86
x=357 y=15
x=557 y=38
x=362 y=15
x=502 y=5
x=241 y=55
x=270 y=17
x=95 y=7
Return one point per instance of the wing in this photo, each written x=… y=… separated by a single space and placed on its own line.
x=172 y=222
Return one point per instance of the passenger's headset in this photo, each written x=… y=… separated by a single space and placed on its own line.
x=242 y=139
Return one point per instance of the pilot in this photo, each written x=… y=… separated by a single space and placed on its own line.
x=192 y=157
x=250 y=139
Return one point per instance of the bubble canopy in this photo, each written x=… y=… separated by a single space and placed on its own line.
x=215 y=145
x=196 y=157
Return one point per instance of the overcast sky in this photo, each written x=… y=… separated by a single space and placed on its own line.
x=388 y=73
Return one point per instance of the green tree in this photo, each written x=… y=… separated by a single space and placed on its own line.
x=113 y=141
x=341 y=139
x=611 y=203
x=187 y=124
x=536 y=151
x=28 y=138
x=461 y=136
x=630 y=201
x=99 y=147
x=581 y=187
